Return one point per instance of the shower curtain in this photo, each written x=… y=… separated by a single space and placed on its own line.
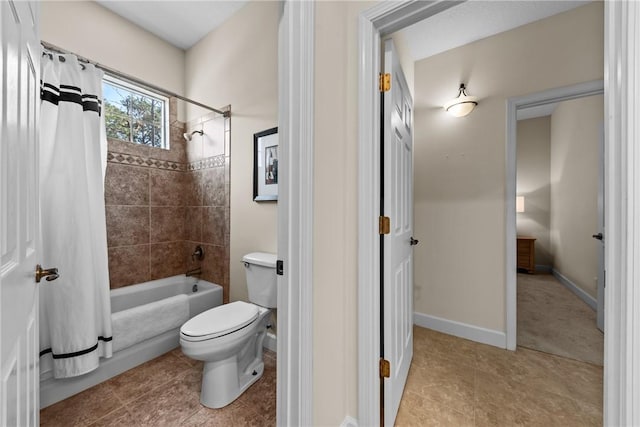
x=75 y=309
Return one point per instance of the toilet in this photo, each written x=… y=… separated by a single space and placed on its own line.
x=228 y=338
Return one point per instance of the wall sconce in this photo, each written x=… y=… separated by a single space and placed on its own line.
x=520 y=204
x=463 y=104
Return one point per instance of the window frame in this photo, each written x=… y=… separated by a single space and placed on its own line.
x=132 y=87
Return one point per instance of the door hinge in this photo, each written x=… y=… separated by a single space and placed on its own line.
x=385 y=82
x=384 y=225
x=385 y=368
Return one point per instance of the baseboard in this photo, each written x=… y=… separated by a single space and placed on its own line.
x=588 y=299
x=544 y=268
x=349 y=422
x=462 y=330
x=270 y=342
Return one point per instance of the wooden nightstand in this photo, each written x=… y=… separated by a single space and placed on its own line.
x=527 y=254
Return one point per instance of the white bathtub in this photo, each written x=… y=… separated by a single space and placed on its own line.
x=204 y=296
x=207 y=295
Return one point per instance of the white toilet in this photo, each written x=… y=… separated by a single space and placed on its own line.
x=228 y=338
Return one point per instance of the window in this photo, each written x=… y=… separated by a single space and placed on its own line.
x=135 y=114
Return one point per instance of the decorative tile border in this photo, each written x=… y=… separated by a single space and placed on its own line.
x=210 y=162
x=129 y=159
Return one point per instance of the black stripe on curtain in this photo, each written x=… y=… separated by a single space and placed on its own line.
x=65 y=93
x=75 y=353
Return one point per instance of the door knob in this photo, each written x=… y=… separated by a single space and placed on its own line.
x=598 y=236
x=49 y=273
x=413 y=241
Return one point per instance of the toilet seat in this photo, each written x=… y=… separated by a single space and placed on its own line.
x=219 y=321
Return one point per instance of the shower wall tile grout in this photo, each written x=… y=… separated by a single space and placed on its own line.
x=159 y=243
x=183 y=208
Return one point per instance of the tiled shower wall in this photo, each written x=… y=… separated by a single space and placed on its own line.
x=207 y=220
x=160 y=204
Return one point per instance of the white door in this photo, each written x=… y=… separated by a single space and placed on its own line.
x=397 y=195
x=600 y=235
x=19 y=223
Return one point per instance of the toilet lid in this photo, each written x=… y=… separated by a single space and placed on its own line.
x=221 y=320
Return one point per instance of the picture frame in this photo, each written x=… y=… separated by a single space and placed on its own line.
x=265 y=165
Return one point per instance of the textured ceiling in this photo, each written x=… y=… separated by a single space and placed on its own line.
x=476 y=19
x=181 y=23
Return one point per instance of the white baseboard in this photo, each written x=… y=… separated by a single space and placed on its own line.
x=270 y=342
x=349 y=422
x=544 y=268
x=462 y=330
x=588 y=299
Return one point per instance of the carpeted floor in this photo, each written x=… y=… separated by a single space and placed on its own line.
x=554 y=320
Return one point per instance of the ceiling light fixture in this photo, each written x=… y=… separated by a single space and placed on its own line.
x=463 y=104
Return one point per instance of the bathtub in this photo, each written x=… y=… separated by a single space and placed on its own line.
x=201 y=295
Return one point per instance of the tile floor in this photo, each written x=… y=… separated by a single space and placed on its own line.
x=455 y=382
x=452 y=382
x=165 y=392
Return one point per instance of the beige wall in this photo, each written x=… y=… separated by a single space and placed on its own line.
x=90 y=30
x=533 y=162
x=575 y=138
x=237 y=64
x=460 y=163
x=335 y=351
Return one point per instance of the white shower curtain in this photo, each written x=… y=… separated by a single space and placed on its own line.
x=75 y=309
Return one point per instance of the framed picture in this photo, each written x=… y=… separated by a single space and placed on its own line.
x=265 y=165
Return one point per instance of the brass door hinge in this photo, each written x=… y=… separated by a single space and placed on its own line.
x=385 y=368
x=385 y=82
x=384 y=225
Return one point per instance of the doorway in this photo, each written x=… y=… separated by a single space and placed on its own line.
x=458 y=179
x=559 y=233
x=381 y=21
x=515 y=106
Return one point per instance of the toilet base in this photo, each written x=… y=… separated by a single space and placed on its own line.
x=221 y=383
x=233 y=362
x=225 y=380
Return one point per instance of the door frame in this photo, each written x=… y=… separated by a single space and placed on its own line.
x=374 y=23
x=514 y=104
x=294 y=404
x=622 y=160
x=602 y=276
x=622 y=210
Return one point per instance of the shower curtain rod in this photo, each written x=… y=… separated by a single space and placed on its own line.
x=131 y=79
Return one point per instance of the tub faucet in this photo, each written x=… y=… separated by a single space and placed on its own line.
x=194 y=272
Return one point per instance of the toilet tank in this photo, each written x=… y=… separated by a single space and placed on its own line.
x=260 y=268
